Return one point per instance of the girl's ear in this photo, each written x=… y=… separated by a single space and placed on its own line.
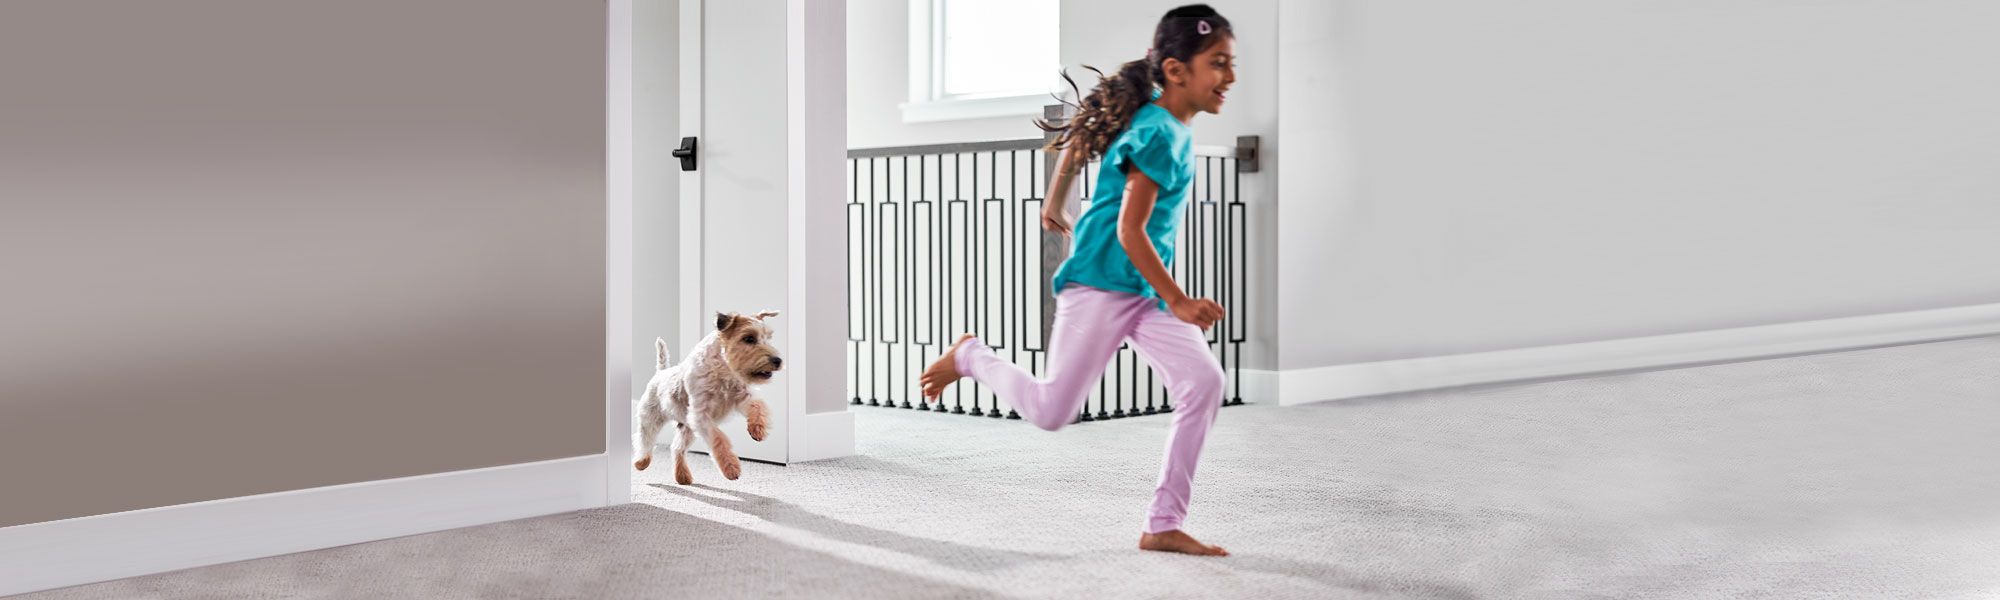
x=1175 y=71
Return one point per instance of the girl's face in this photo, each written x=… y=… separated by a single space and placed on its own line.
x=1205 y=79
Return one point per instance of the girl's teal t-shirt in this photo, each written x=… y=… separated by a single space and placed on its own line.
x=1160 y=146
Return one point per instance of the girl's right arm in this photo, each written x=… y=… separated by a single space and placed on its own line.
x=1133 y=213
x=1053 y=217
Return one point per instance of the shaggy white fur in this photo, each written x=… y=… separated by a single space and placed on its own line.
x=696 y=395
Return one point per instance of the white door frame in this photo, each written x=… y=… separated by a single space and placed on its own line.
x=816 y=224
x=696 y=319
x=815 y=424
x=618 y=172
x=690 y=197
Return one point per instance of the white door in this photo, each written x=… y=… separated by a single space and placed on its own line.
x=761 y=221
x=733 y=202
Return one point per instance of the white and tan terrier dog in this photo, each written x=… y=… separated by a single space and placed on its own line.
x=699 y=393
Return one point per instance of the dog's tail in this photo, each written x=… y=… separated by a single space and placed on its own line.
x=660 y=350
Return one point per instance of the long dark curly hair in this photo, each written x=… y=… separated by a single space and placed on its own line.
x=1182 y=33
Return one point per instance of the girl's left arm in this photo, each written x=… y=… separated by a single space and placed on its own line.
x=1053 y=216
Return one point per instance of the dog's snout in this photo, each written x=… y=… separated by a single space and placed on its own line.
x=777 y=362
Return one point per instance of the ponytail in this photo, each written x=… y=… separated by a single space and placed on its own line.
x=1105 y=113
x=1100 y=117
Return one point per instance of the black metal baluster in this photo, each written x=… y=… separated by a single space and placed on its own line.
x=932 y=341
x=965 y=305
x=909 y=277
x=1086 y=198
x=976 y=277
x=1241 y=297
x=853 y=200
x=876 y=195
x=899 y=349
x=1225 y=273
x=931 y=276
x=898 y=360
x=1194 y=257
x=1118 y=384
x=949 y=250
x=929 y=323
x=1134 y=411
x=1028 y=251
x=941 y=255
x=1008 y=271
x=1211 y=257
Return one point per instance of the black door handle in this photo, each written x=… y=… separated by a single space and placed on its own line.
x=686 y=154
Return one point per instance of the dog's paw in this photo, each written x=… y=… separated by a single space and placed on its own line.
x=757 y=431
x=683 y=476
x=642 y=463
x=731 y=470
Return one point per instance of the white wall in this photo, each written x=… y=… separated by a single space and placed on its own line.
x=1532 y=173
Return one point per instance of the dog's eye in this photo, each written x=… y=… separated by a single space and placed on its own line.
x=749 y=339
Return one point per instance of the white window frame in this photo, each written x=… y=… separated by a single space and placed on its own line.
x=927 y=101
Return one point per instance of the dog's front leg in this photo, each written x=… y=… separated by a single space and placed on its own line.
x=758 y=416
x=719 y=447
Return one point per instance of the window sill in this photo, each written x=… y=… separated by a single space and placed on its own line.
x=1028 y=105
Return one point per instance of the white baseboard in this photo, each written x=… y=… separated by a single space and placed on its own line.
x=1259 y=386
x=1300 y=386
x=822 y=436
x=69 y=552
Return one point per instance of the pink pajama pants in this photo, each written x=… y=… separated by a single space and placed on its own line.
x=1089 y=325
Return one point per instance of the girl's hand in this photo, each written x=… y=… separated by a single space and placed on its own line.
x=1054 y=220
x=1202 y=312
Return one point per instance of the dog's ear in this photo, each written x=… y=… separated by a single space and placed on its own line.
x=766 y=314
x=723 y=321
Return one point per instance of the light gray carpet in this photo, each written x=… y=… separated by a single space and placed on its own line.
x=1872 y=473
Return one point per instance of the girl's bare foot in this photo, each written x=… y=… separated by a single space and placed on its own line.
x=942 y=372
x=1178 y=541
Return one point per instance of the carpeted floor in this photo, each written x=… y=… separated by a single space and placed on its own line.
x=1872 y=473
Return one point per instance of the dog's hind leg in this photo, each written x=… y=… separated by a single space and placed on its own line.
x=650 y=422
x=682 y=437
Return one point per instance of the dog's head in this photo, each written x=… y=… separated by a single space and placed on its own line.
x=746 y=345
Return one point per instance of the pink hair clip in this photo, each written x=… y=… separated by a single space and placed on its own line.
x=1202 y=27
